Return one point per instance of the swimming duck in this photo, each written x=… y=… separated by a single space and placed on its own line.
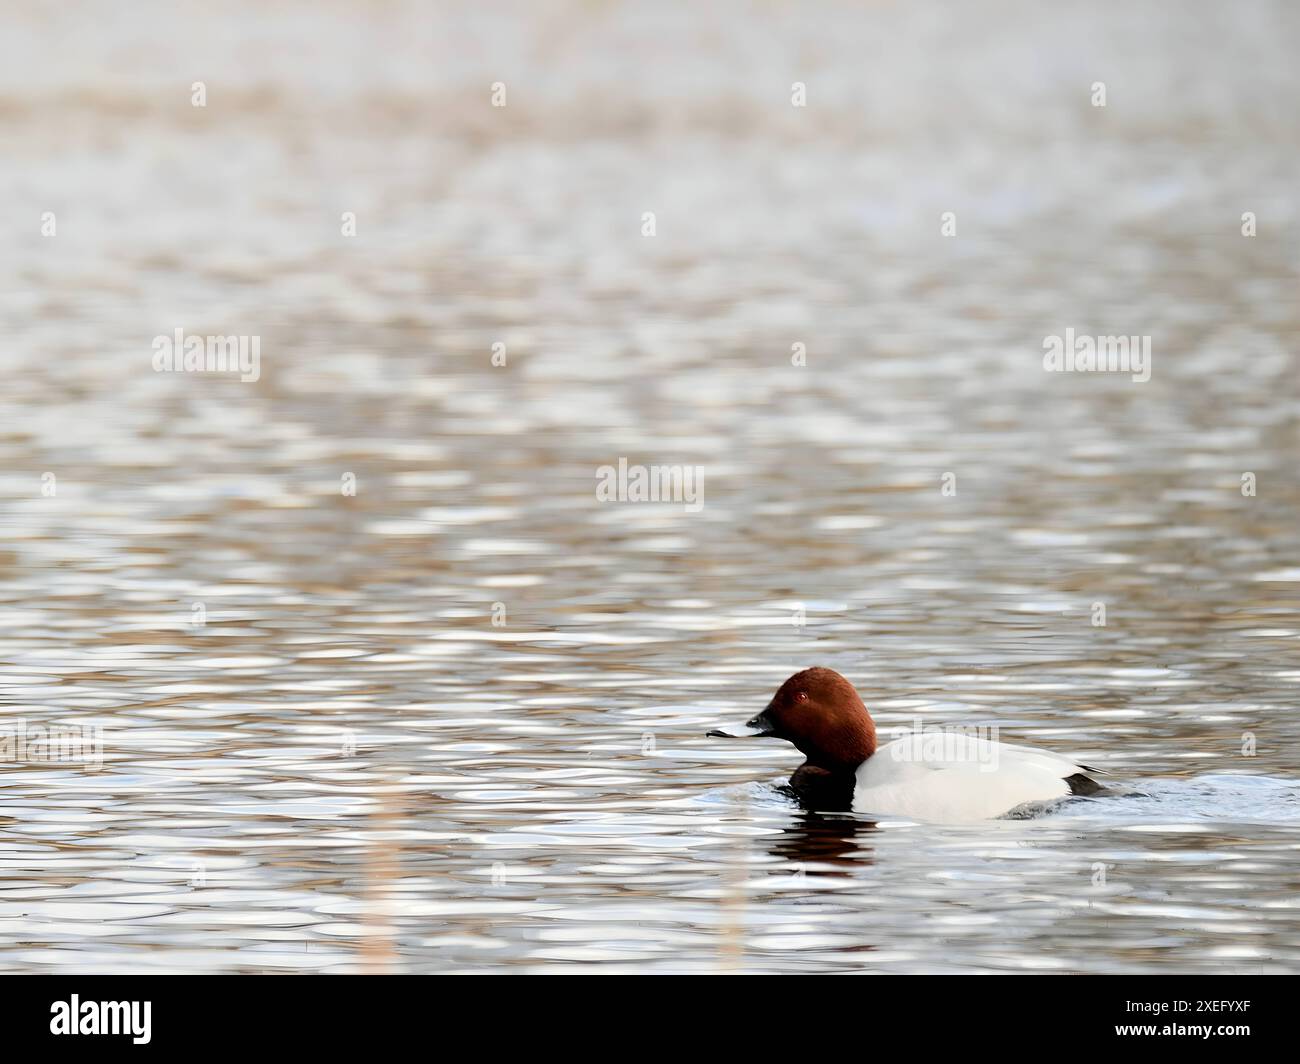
x=948 y=777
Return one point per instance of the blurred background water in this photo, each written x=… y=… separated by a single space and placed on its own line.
x=348 y=766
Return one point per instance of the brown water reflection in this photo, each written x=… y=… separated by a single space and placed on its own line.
x=348 y=766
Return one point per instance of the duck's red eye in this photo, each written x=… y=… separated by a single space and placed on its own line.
x=801 y=696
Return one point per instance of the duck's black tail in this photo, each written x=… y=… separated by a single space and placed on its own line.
x=1085 y=785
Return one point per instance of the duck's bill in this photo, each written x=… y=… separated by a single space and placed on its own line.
x=758 y=728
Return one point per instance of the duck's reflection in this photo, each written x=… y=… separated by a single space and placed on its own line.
x=819 y=838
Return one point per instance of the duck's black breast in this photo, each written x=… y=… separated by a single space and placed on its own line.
x=820 y=788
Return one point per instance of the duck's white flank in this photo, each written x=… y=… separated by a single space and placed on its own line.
x=961 y=778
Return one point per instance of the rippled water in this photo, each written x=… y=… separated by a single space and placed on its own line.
x=320 y=753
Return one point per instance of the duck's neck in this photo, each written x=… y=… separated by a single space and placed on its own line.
x=844 y=749
x=827 y=779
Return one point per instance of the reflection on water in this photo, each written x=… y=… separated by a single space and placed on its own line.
x=455 y=720
x=824 y=844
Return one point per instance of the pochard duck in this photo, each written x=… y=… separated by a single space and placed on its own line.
x=948 y=777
